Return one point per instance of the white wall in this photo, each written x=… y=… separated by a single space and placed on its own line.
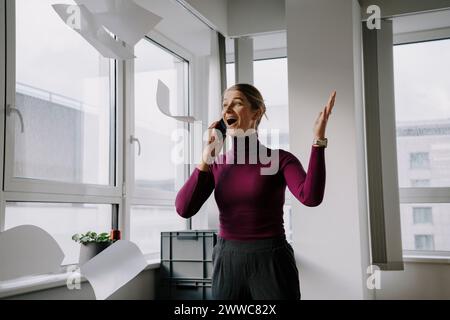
x=417 y=281
x=330 y=241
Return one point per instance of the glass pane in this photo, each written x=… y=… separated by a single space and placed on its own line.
x=231 y=73
x=154 y=168
x=423 y=215
x=287 y=218
x=424 y=242
x=425 y=226
x=271 y=79
x=422 y=113
x=147 y=223
x=63 y=94
x=61 y=221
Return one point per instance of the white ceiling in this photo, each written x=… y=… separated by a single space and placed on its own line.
x=183 y=28
x=422 y=21
x=180 y=26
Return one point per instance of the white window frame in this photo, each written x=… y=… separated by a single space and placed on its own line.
x=123 y=194
x=148 y=195
x=427 y=195
x=33 y=190
x=134 y=196
x=14 y=185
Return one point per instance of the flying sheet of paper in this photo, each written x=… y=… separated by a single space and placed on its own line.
x=127 y=20
x=93 y=32
x=28 y=250
x=113 y=267
x=163 y=103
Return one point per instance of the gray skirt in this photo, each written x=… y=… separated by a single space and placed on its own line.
x=255 y=270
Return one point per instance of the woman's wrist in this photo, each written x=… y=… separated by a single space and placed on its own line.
x=203 y=167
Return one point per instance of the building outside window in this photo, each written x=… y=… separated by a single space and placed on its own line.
x=420 y=183
x=419 y=160
x=423 y=143
x=424 y=242
x=422 y=215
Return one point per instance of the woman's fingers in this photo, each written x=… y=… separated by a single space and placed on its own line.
x=319 y=118
x=323 y=114
x=213 y=125
x=331 y=102
x=330 y=99
x=212 y=132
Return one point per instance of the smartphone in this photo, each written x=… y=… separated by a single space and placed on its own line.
x=222 y=127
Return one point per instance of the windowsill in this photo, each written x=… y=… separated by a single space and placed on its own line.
x=42 y=282
x=410 y=258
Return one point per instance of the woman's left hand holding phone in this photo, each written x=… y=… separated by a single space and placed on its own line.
x=212 y=148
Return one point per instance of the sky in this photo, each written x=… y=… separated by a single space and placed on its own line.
x=422 y=81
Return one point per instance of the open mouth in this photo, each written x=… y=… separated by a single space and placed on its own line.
x=231 y=121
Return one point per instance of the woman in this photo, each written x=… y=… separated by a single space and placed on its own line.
x=252 y=259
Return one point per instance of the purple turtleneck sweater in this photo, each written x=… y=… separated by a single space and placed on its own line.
x=251 y=203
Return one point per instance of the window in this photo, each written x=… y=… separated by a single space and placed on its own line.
x=61 y=221
x=425 y=218
x=63 y=94
x=287 y=219
x=422 y=114
x=231 y=74
x=419 y=160
x=423 y=143
x=66 y=124
x=157 y=176
x=148 y=222
x=62 y=168
x=422 y=215
x=154 y=129
x=420 y=183
x=424 y=242
x=270 y=77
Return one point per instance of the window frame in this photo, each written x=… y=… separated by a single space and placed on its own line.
x=149 y=196
x=122 y=194
x=134 y=196
x=13 y=184
x=423 y=195
x=46 y=191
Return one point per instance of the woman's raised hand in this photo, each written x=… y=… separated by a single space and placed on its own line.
x=322 y=120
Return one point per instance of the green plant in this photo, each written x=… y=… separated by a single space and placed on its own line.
x=92 y=237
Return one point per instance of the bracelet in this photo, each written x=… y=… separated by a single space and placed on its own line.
x=320 y=142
